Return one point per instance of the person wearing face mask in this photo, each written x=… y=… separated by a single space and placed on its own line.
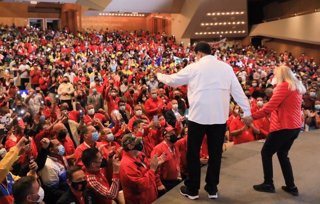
x=28 y=190
x=90 y=137
x=153 y=104
x=63 y=137
x=108 y=139
x=102 y=190
x=138 y=114
x=173 y=115
x=66 y=91
x=168 y=175
x=262 y=124
x=125 y=110
x=312 y=117
x=50 y=109
x=95 y=98
x=77 y=183
x=152 y=83
x=239 y=131
x=92 y=115
x=137 y=174
x=112 y=99
x=149 y=134
x=53 y=174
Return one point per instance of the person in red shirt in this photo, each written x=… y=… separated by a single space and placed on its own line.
x=113 y=100
x=181 y=146
x=103 y=192
x=154 y=104
x=61 y=133
x=90 y=137
x=138 y=114
x=168 y=175
x=262 y=124
x=240 y=132
x=137 y=175
x=88 y=118
x=35 y=75
x=285 y=123
x=149 y=134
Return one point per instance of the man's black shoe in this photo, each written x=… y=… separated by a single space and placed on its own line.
x=268 y=188
x=292 y=190
x=191 y=195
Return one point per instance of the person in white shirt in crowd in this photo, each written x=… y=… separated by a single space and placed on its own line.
x=210 y=83
x=65 y=91
x=53 y=174
x=35 y=100
x=24 y=69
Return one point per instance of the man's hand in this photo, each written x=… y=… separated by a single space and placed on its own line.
x=247 y=120
x=45 y=142
x=23 y=145
x=33 y=166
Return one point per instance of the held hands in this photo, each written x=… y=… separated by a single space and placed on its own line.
x=247 y=120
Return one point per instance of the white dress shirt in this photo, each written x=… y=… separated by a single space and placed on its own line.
x=210 y=83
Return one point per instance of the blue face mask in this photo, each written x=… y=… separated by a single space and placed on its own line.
x=95 y=136
x=61 y=150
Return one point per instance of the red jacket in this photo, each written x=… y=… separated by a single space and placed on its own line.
x=246 y=136
x=285 y=109
x=181 y=146
x=153 y=107
x=170 y=169
x=137 y=180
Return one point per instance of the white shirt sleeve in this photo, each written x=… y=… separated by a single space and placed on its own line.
x=177 y=79
x=239 y=96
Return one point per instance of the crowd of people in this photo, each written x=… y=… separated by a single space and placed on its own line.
x=84 y=119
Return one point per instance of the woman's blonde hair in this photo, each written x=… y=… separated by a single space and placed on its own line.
x=285 y=74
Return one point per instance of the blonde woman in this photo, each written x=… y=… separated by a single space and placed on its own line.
x=285 y=122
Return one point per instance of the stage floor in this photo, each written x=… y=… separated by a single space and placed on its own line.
x=242 y=168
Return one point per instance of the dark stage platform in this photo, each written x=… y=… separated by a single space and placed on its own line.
x=242 y=168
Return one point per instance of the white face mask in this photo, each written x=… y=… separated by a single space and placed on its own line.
x=317 y=107
x=91 y=111
x=139 y=112
x=110 y=137
x=174 y=106
x=41 y=195
x=122 y=108
x=260 y=103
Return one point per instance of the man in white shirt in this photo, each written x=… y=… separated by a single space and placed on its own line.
x=210 y=83
x=24 y=69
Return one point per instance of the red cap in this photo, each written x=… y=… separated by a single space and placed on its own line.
x=168 y=129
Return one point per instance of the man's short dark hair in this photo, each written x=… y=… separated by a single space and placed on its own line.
x=71 y=171
x=203 y=47
x=88 y=156
x=22 y=188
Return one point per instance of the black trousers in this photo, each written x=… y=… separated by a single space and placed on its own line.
x=215 y=136
x=279 y=142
